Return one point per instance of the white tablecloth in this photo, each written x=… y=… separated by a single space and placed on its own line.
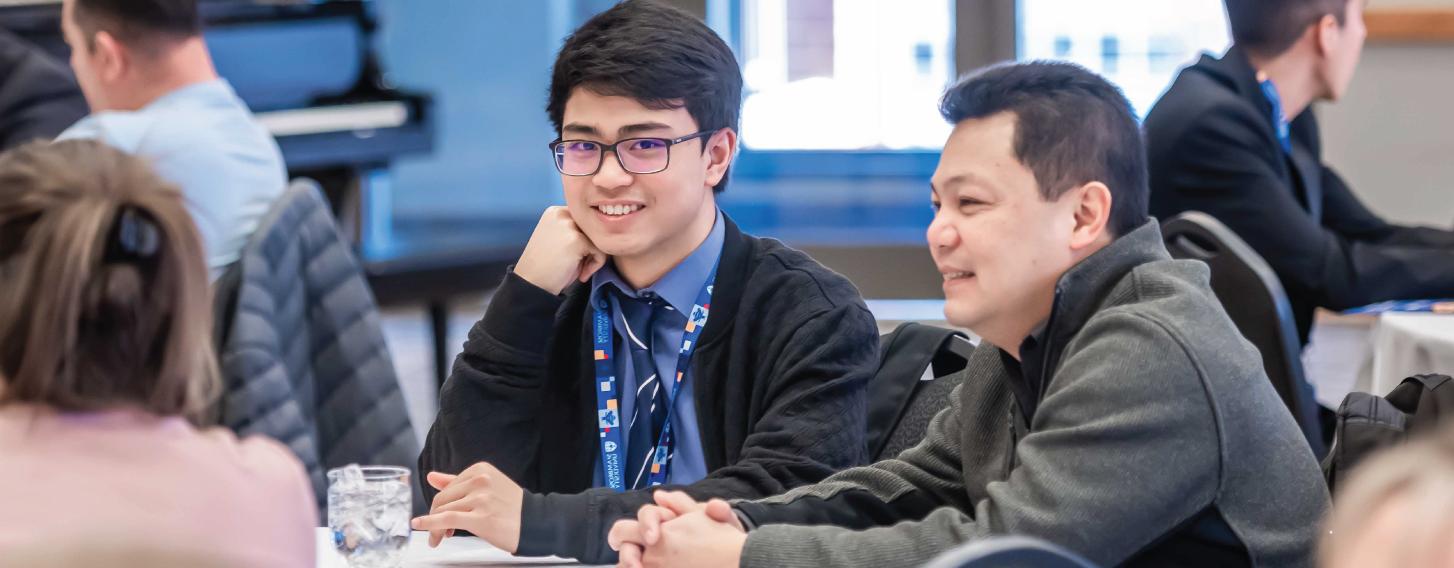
x=1405 y=344
x=453 y=552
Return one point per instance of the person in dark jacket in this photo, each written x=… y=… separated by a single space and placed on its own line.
x=591 y=376
x=38 y=96
x=1112 y=409
x=1233 y=137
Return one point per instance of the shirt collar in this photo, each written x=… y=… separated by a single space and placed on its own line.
x=681 y=285
x=1036 y=338
x=216 y=89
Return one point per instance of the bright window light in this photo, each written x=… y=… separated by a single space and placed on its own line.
x=1138 y=44
x=845 y=74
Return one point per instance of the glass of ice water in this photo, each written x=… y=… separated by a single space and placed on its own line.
x=368 y=510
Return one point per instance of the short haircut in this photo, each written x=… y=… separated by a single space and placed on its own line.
x=143 y=24
x=1072 y=127
x=659 y=55
x=106 y=301
x=1270 y=27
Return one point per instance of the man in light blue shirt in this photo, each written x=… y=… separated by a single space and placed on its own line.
x=154 y=92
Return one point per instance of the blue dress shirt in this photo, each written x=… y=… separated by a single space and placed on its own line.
x=679 y=288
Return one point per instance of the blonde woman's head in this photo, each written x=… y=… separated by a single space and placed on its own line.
x=106 y=301
x=1397 y=509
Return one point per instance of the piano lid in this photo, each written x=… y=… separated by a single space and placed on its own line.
x=277 y=55
x=306 y=68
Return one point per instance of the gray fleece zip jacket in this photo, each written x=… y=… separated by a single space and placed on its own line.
x=1140 y=430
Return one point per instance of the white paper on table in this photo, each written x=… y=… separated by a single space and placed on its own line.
x=455 y=552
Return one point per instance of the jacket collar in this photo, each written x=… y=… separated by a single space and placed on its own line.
x=1234 y=70
x=1079 y=295
x=733 y=270
x=680 y=286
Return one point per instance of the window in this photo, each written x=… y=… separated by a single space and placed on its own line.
x=1138 y=44
x=845 y=74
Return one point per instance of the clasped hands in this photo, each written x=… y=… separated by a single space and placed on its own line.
x=676 y=531
x=679 y=531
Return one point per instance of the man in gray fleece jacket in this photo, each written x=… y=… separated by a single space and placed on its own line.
x=1113 y=408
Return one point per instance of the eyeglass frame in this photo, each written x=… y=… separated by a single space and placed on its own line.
x=601 y=156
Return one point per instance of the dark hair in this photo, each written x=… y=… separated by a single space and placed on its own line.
x=144 y=24
x=1270 y=27
x=659 y=55
x=106 y=299
x=1072 y=127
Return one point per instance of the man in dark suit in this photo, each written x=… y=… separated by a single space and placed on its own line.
x=38 y=96
x=1233 y=138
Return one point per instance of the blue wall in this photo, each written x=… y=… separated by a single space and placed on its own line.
x=487 y=62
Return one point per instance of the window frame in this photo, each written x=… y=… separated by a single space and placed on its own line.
x=1020 y=49
x=725 y=16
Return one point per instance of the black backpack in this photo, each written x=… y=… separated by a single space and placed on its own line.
x=1367 y=423
x=919 y=365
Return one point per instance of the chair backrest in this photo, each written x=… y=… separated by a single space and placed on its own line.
x=1253 y=297
x=918 y=368
x=1009 y=551
x=302 y=350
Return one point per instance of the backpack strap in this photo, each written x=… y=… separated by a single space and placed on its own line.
x=904 y=356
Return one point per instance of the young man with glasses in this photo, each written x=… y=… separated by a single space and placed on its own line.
x=643 y=339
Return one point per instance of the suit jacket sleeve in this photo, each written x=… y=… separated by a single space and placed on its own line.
x=1219 y=168
x=1346 y=215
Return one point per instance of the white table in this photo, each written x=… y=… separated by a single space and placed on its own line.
x=891 y=313
x=1405 y=344
x=453 y=552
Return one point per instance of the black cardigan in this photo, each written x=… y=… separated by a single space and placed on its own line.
x=1211 y=148
x=781 y=370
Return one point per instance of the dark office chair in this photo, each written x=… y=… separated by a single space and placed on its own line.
x=919 y=366
x=1252 y=295
x=1009 y=551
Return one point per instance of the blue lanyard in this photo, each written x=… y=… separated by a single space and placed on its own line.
x=1279 y=120
x=608 y=408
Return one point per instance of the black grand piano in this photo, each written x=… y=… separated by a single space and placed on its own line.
x=309 y=71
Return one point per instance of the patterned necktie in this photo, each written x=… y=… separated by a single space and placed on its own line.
x=649 y=415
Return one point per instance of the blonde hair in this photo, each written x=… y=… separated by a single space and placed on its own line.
x=106 y=300
x=1411 y=485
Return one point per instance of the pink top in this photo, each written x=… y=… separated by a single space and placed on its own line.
x=125 y=476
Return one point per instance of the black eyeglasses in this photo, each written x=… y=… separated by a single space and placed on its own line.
x=636 y=155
